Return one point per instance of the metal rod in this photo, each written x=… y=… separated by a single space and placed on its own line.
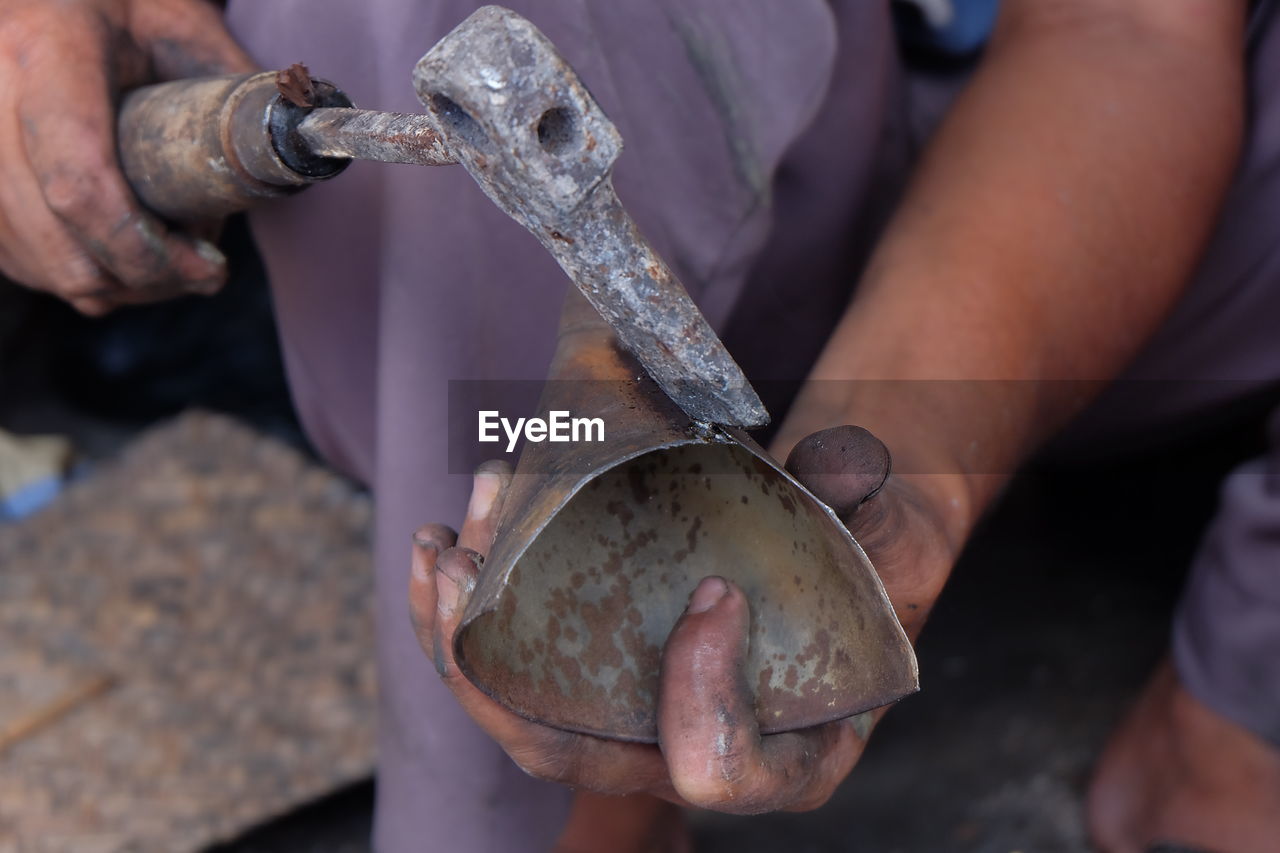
x=372 y=135
x=46 y=715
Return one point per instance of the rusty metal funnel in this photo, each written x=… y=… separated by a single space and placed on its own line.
x=600 y=544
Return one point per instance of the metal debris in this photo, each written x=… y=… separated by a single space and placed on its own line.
x=295 y=85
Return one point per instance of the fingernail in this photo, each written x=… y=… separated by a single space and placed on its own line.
x=446 y=592
x=423 y=537
x=484 y=491
x=707 y=595
x=421 y=560
x=211 y=254
x=434 y=536
x=456 y=574
x=862 y=723
x=452 y=581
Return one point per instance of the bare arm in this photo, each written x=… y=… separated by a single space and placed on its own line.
x=1053 y=222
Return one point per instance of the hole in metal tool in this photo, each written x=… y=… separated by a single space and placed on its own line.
x=557 y=130
x=459 y=121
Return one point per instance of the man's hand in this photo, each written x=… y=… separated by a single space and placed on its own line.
x=710 y=752
x=69 y=223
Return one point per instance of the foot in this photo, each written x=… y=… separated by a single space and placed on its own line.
x=633 y=824
x=1177 y=772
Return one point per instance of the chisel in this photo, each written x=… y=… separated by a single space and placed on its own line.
x=200 y=149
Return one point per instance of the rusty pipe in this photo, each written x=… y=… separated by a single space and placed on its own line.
x=200 y=149
x=599 y=545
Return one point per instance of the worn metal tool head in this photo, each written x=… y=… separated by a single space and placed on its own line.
x=515 y=114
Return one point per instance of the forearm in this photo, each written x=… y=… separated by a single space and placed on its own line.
x=1050 y=227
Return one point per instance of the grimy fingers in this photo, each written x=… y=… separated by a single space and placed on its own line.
x=456 y=573
x=68 y=124
x=541 y=751
x=707 y=725
x=187 y=38
x=432 y=540
x=429 y=542
x=37 y=250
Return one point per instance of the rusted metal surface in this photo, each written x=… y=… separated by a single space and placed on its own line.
x=600 y=544
x=371 y=135
x=296 y=86
x=286 y=156
x=526 y=128
x=200 y=149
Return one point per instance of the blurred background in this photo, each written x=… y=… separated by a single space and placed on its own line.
x=185 y=639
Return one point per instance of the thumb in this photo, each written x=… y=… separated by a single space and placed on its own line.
x=706 y=718
x=844 y=466
x=489 y=488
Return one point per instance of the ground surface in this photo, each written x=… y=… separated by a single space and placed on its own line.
x=200 y=607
